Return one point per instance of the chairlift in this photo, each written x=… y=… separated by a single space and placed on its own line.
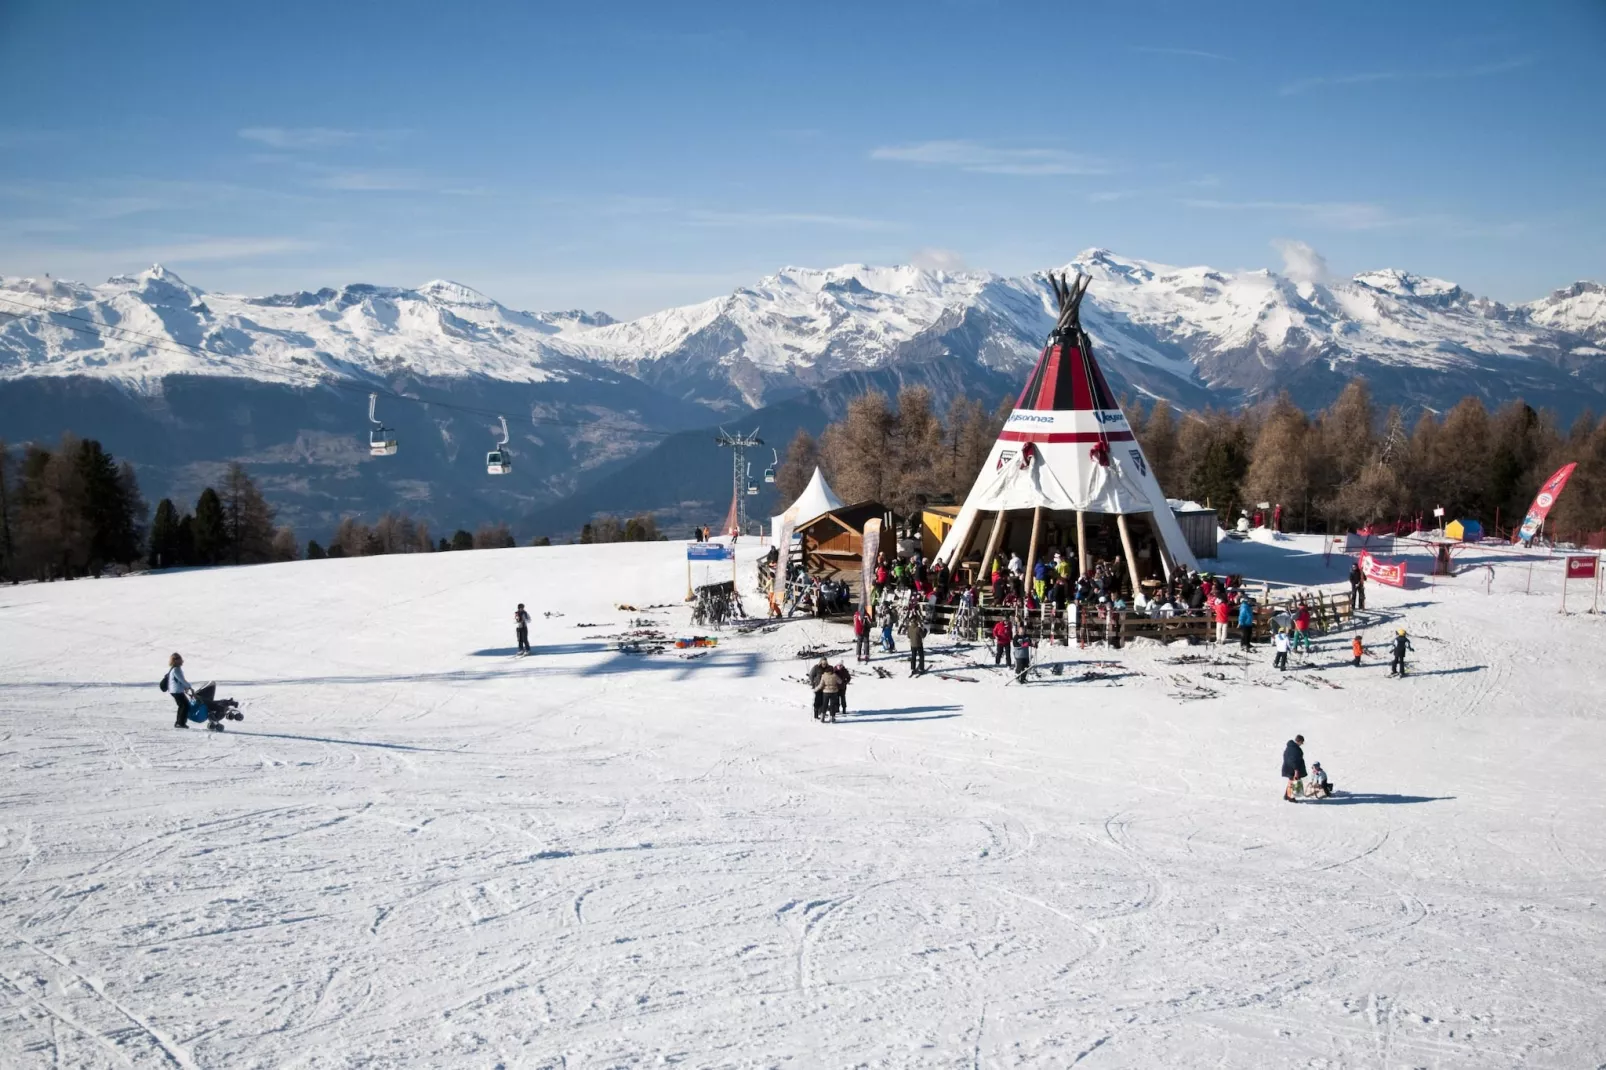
x=381 y=440
x=752 y=488
x=769 y=473
x=497 y=462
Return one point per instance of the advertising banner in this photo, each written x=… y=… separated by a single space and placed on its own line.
x=710 y=551
x=870 y=546
x=1542 y=502
x=1582 y=568
x=1391 y=574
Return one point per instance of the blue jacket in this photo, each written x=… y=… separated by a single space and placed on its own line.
x=1246 y=614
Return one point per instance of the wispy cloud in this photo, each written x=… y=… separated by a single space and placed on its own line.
x=932 y=259
x=1342 y=215
x=1302 y=85
x=1197 y=53
x=1106 y=196
x=1363 y=215
x=992 y=160
x=312 y=137
x=715 y=218
x=215 y=249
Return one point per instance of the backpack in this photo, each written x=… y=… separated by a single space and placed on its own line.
x=165 y=676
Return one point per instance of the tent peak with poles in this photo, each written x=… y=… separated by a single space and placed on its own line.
x=1067 y=470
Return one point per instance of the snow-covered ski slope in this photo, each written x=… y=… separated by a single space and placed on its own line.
x=417 y=851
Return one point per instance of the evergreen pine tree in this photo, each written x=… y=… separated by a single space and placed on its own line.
x=209 y=530
x=314 y=551
x=165 y=536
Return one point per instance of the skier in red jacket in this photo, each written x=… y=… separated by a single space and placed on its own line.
x=1002 y=635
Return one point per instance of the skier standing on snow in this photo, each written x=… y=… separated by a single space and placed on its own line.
x=1357 y=588
x=886 y=618
x=1401 y=645
x=1357 y=648
x=1002 y=634
x=521 y=628
x=1023 y=655
x=861 y=635
x=917 y=641
x=1294 y=768
x=1246 y=622
x=1222 y=610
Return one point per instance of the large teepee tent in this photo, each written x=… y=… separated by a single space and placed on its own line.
x=1068 y=472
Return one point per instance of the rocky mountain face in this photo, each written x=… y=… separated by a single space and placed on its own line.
x=182 y=380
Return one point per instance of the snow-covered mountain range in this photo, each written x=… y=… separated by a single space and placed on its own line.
x=1190 y=334
x=272 y=378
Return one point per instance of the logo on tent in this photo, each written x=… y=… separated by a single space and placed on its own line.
x=1137 y=459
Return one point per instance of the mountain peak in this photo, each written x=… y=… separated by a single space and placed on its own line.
x=447 y=292
x=1405 y=284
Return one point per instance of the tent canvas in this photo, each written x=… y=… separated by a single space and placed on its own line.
x=1067 y=457
x=816 y=500
x=1464 y=530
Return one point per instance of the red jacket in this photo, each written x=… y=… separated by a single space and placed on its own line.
x=1222 y=610
x=1001 y=631
x=861 y=625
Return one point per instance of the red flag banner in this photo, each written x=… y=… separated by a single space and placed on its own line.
x=1542 y=502
x=1582 y=568
x=1392 y=574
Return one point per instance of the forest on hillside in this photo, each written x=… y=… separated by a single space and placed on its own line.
x=1347 y=466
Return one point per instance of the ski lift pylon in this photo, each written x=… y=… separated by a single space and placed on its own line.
x=497 y=462
x=381 y=440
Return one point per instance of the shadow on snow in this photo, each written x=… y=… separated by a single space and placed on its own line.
x=346 y=742
x=1357 y=798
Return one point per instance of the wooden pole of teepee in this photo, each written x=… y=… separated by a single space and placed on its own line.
x=992 y=547
x=1081 y=542
x=1031 y=552
x=1126 y=544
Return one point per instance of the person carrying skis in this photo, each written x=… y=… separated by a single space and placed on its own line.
x=1002 y=635
x=917 y=641
x=1401 y=645
x=1357 y=648
x=1246 y=622
x=817 y=674
x=521 y=628
x=861 y=635
x=1279 y=643
x=1294 y=768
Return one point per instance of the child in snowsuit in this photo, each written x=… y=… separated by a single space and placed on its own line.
x=1401 y=645
x=1319 y=786
x=1357 y=648
x=1279 y=643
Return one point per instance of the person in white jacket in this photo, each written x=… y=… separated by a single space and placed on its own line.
x=217 y=709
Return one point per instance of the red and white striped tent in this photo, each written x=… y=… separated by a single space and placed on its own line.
x=1067 y=472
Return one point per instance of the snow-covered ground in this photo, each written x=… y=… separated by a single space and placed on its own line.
x=417 y=851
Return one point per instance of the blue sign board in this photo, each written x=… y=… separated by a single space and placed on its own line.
x=710 y=551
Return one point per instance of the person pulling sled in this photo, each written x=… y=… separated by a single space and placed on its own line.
x=197 y=704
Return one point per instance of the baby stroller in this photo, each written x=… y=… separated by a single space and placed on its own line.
x=214 y=711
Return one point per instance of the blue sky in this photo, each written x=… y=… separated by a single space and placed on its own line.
x=631 y=156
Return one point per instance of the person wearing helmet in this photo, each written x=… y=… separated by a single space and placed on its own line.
x=1401 y=645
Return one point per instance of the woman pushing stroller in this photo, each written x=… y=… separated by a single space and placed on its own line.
x=202 y=701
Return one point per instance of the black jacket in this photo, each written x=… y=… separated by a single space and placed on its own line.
x=1357 y=578
x=1401 y=645
x=1293 y=760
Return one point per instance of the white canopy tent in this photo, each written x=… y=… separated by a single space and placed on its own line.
x=816 y=500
